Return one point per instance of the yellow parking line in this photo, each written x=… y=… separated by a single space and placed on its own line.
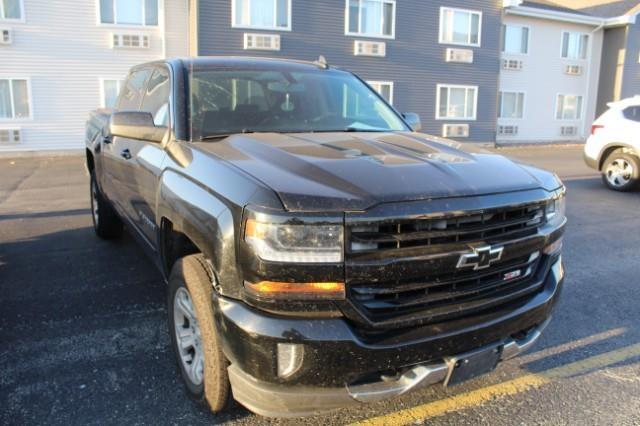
x=500 y=390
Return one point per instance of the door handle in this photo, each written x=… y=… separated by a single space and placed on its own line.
x=126 y=154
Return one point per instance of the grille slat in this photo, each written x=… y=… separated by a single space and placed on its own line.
x=438 y=282
x=478 y=226
x=450 y=295
x=385 y=237
x=441 y=290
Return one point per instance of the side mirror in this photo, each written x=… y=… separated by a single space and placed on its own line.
x=413 y=120
x=136 y=125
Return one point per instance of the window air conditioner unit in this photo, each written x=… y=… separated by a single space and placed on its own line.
x=370 y=48
x=261 y=41
x=512 y=64
x=460 y=55
x=10 y=136
x=455 y=130
x=135 y=41
x=568 y=131
x=573 y=70
x=509 y=130
x=6 y=36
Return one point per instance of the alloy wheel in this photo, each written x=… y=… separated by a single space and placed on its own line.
x=188 y=338
x=619 y=172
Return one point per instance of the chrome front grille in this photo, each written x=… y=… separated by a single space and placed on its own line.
x=409 y=267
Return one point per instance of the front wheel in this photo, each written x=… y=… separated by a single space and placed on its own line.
x=621 y=171
x=202 y=364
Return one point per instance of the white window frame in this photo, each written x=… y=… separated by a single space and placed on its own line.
x=504 y=52
x=580 y=33
x=120 y=82
x=375 y=84
x=13 y=20
x=14 y=119
x=456 y=86
x=524 y=102
x=370 y=35
x=262 y=27
x=579 y=112
x=144 y=16
x=441 y=38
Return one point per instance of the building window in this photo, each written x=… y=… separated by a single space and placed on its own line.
x=456 y=102
x=110 y=91
x=129 y=12
x=14 y=99
x=371 y=18
x=458 y=26
x=262 y=14
x=11 y=9
x=574 y=45
x=569 y=107
x=511 y=105
x=384 y=88
x=515 y=39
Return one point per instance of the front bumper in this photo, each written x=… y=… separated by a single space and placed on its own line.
x=339 y=369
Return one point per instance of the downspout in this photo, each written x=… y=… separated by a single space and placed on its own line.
x=163 y=29
x=588 y=85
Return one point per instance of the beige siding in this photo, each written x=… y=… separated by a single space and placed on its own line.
x=543 y=77
x=64 y=52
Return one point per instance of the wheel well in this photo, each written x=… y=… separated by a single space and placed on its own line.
x=90 y=163
x=610 y=149
x=173 y=245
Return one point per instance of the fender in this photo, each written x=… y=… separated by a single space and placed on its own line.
x=608 y=147
x=207 y=221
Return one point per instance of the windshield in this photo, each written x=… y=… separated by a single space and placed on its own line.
x=226 y=102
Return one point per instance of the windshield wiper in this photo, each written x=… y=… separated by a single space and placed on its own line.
x=359 y=129
x=218 y=136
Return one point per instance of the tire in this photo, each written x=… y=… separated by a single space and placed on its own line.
x=106 y=221
x=621 y=171
x=189 y=279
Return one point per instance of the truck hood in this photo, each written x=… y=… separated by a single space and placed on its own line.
x=355 y=171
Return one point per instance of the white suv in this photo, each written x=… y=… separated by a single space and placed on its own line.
x=614 y=145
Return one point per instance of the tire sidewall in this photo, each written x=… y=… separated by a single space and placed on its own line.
x=191 y=273
x=93 y=184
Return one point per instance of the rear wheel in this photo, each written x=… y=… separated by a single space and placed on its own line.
x=621 y=171
x=106 y=222
x=202 y=364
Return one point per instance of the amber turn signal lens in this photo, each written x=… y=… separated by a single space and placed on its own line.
x=296 y=291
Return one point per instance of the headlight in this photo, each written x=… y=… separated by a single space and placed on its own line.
x=296 y=243
x=556 y=209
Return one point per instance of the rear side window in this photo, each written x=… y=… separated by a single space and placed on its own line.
x=632 y=113
x=131 y=94
x=156 y=98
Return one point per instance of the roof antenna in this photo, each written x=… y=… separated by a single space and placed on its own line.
x=321 y=62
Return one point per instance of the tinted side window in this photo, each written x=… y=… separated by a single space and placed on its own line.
x=131 y=93
x=632 y=113
x=156 y=98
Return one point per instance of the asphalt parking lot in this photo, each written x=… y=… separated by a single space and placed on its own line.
x=83 y=334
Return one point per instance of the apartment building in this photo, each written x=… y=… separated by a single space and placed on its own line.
x=620 y=68
x=61 y=59
x=474 y=70
x=556 y=70
x=438 y=59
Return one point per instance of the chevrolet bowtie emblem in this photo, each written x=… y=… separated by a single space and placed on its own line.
x=480 y=258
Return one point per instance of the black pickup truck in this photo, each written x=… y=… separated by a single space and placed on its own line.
x=319 y=251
